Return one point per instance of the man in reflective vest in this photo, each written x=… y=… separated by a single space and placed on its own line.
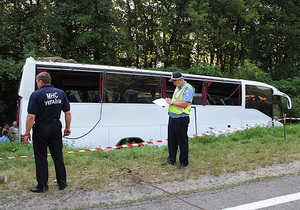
x=179 y=110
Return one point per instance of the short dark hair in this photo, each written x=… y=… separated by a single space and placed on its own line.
x=45 y=77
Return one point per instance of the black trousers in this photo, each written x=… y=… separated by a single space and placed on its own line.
x=177 y=136
x=48 y=134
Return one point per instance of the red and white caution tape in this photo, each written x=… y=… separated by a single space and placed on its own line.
x=115 y=147
x=16 y=157
x=211 y=133
x=291 y=118
x=95 y=149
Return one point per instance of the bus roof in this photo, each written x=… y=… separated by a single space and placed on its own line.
x=118 y=69
x=131 y=70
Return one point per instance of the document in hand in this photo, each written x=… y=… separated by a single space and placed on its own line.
x=161 y=102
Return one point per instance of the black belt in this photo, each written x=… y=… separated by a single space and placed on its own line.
x=48 y=121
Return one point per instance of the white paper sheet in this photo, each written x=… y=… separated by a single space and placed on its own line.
x=161 y=102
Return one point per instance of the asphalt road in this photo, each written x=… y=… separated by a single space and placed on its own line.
x=273 y=194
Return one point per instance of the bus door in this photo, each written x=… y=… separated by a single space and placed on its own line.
x=193 y=122
x=277 y=108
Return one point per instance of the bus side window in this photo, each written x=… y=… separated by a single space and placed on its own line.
x=260 y=98
x=219 y=93
x=197 y=99
x=80 y=87
x=75 y=98
x=128 y=88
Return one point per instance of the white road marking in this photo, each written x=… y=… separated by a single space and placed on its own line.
x=267 y=203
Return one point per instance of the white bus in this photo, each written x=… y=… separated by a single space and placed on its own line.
x=114 y=105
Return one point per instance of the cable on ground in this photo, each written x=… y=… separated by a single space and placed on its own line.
x=129 y=172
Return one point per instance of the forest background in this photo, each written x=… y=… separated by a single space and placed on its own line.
x=245 y=39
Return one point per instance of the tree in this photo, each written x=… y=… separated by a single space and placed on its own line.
x=275 y=38
x=226 y=30
x=10 y=73
x=176 y=30
x=158 y=32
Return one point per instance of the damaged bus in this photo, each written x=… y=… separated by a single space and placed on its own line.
x=113 y=105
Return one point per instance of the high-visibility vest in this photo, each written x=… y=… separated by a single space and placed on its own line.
x=177 y=96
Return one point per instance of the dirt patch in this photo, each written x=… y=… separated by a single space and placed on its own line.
x=71 y=198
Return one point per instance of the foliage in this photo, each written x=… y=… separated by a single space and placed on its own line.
x=291 y=86
x=255 y=39
x=173 y=68
x=206 y=69
x=275 y=35
x=250 y=71
x=156 y=33
x=9 y=77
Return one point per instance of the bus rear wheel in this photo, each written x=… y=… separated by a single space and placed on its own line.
x=130 y=140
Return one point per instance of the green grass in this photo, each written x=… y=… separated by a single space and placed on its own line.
x=240 y=151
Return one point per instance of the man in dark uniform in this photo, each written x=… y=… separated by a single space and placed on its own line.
x=44 y=110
